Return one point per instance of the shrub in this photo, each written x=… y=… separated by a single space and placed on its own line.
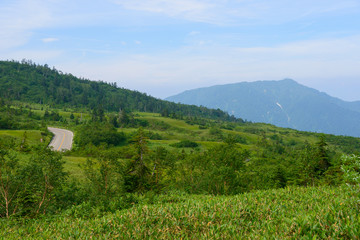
x=351 y=169
x=185 y=144
x=98 y=133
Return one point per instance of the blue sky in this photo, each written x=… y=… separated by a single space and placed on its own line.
x=163 y=47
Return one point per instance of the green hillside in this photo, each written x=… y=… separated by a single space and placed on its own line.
x=135 y=174
x=242 y=156
x=31 y=83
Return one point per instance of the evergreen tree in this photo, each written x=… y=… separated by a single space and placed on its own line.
x=322 y=156
x=137 y=174
x=105 y=176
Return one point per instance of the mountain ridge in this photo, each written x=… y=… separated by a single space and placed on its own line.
x=284 y=103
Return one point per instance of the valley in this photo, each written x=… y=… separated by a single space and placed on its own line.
x=173 y=171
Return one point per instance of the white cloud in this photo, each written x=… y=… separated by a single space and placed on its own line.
x=18 y=20
x=173 y=72
x=193 y=33
x=48 y=40
x=222 y=12
x=173 y=7
x=201 y=63
x=196 y=10
x=321 y=49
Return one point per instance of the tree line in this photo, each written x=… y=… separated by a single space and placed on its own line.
x=25 y=81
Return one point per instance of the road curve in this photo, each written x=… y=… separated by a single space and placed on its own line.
x=62 y=139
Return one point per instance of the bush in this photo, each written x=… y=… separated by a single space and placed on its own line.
x=185 y=144
x=351 y=169
x=154 y=136
x=98 y=133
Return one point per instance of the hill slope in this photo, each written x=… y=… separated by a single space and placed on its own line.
x=28 y=82
x=283 y=103
x=291 y=213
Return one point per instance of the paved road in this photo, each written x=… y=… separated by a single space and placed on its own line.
x=62 y=139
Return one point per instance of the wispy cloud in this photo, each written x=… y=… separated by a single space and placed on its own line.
x=240 y=12
x=21 y=18
x=100 y=40
x=18 y=19
x=48 y=40
x=194 y=10
x=303 y=61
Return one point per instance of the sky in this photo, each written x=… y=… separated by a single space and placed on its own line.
x=164 y=47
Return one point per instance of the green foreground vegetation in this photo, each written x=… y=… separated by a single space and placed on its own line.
x=194 y=181
x=173 y=172
x=290 y=213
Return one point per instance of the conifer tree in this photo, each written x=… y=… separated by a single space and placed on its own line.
x=138 y=173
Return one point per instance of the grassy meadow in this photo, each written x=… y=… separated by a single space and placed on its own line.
x=290 y=213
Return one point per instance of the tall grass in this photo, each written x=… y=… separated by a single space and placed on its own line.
x=291 y=213
x=73 y=166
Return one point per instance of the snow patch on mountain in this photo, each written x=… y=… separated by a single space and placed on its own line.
x=287 y=115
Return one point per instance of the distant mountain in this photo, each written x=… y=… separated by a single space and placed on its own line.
x=284 y=103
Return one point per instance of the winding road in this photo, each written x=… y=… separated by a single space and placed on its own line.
x=62 y=139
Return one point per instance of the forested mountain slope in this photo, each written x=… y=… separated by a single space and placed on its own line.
x=33 y=83
x=283 y=103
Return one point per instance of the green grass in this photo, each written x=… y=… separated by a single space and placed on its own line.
x=160 y=143
x=73 y=166
x=32 y=136
x=180 y=130
x=173 y=122
x=291 y=213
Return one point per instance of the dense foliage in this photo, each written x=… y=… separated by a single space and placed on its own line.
x=33 y=83
x=185 y=144
x=96 y=133
x=123 y=161
x=290 y=213
x=30 y=187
